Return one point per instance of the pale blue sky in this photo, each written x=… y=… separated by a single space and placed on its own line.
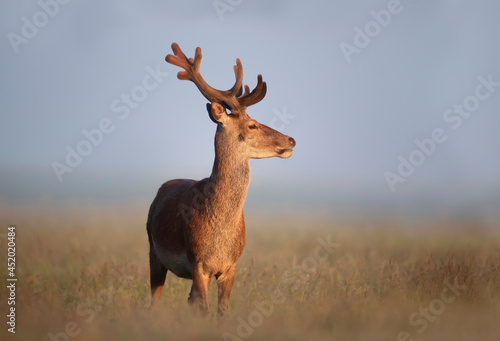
x=351 y=120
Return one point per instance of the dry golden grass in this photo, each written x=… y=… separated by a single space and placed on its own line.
x=86 y=274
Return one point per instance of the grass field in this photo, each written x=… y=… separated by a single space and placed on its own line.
x=84 y=276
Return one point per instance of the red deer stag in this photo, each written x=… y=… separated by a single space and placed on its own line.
x=196 y=229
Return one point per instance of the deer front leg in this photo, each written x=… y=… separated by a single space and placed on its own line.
x=225 y=284
x=198 y=297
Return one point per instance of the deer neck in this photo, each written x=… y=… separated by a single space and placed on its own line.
x=230 y=178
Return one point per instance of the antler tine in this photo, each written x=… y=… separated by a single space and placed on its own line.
x=192 y=71
x=197 y=59
x=238 y=73
x=233 y=97
x=247 y=90
x=257 y=94
x=180 y=60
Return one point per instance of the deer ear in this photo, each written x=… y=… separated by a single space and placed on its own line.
x=216 y=111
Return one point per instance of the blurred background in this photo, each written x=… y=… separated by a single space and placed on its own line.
x=92 y=114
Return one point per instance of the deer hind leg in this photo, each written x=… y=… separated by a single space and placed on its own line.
x=198 y=297
x=157 y=276
x=225 y=284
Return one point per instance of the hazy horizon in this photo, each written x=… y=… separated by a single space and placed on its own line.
x=394 y=104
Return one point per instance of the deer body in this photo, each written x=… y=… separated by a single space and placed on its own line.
x=196 y=229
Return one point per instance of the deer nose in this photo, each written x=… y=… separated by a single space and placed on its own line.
x=292 y=141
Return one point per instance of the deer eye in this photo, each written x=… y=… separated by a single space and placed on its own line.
x=252 y=126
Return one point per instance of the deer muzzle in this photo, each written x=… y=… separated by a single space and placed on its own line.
x=285 y=153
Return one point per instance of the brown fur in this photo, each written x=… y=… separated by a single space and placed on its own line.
x=196 y=229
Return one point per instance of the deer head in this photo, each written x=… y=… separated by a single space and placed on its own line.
x=236 y=131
